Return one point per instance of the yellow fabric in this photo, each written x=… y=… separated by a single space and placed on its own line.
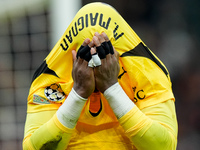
x=144 y=82
x=51 y=135
x=156 y=124
x=153 y=128
x=143 y=75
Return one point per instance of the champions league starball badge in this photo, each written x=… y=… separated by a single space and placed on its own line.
x=54 y=93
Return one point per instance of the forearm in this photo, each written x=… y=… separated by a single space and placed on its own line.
x=145 y=131
x=118 y=100
x=57 y=131
x=51 y=134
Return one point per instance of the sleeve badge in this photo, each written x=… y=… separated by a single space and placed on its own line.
x=54 y=93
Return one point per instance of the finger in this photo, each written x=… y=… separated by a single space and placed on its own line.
x=78 y=52
x=93 y=50
x=105 y=36
x=106 y=47
x=87 y=56
x=91 y=44
x=78 y=63
x=84 y=52
x=108 y=42
x=100 y=37
x=74 y=55
x=96 y=41
x=86 y=42
x=95 y=58
x=110 y=47
x=101 y=52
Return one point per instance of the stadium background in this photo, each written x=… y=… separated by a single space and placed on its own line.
x=29 y=29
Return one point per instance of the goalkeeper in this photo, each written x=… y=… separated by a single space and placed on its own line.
x=100 y=88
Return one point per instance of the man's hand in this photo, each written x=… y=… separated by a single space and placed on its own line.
x=82 y=74
x=86 y=79
x=106 y=74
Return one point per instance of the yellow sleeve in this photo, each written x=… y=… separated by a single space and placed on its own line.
x=152 y=128
x=42 y=134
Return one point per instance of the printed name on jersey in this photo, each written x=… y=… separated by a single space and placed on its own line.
x=91 y=19
x=54 y=93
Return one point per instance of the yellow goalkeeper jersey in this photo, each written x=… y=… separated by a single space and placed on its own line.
x=142 y=76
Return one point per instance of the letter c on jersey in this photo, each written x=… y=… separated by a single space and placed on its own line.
x=140 y=95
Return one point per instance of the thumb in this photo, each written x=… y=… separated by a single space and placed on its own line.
x=74 y=55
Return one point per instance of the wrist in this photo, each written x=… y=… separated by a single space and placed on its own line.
x=70 y=110
x=110 y=89
x=81 y=92
x=120 y=103
x=77 y=95
x=107 y=86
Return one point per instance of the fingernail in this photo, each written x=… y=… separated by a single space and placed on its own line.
x=96 y=33
x=94 y=37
